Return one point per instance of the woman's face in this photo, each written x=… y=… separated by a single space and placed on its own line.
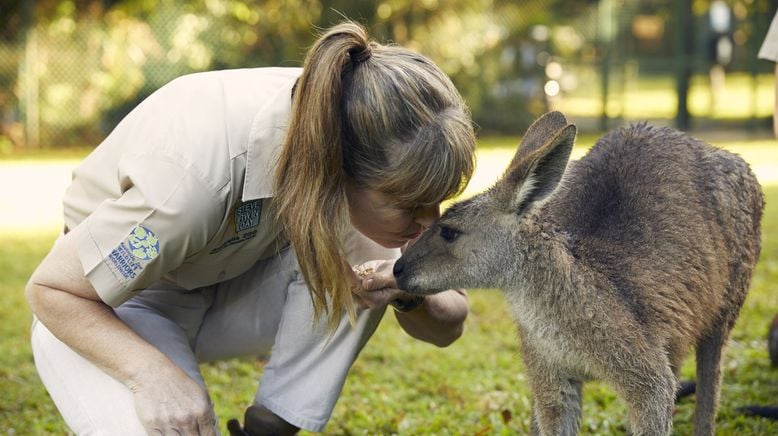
x=373 y=214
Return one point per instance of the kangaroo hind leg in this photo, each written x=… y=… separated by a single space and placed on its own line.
x=709 y=350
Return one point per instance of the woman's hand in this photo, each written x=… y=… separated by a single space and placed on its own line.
x=169 y=402
x=439 y=319
x=374 y=284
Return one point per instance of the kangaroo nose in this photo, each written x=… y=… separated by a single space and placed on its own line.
x=398 y=268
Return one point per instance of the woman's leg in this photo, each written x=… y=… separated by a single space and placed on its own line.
x=90 y=401
x=268 y=310
x=244 y=317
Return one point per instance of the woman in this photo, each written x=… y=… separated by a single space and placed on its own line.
x=178 y=227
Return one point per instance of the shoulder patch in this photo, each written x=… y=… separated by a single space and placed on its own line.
x=143 y=243
x=131 y=255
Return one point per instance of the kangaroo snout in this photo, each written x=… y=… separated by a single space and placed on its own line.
x=401 y=278
x=406 y=279
x=399 y=266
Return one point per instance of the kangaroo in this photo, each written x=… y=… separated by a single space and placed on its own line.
x=614 y=266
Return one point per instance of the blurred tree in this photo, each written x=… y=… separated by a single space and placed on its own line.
x=78 y=66
x=99 y=58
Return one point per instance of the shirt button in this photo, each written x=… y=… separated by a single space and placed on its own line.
x=221 y=275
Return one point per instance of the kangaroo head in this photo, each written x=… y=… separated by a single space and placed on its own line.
x=474 y=244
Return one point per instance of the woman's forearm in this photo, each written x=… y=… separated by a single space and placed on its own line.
x=439 y=319
x=93 y=330
x=68 y=305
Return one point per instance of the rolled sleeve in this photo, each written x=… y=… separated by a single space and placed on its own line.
x=164 y=215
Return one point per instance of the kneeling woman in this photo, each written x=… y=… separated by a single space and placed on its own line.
x=223 y=217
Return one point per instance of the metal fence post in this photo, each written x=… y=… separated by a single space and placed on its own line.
x=683 y=53
x=605 y=31
x=28 y=74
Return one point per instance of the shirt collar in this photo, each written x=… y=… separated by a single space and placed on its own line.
x=265 y=142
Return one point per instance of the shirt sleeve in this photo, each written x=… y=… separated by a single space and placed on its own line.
x=769 y=50
x=164 y=215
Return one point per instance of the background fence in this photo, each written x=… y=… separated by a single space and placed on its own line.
x=71 y=69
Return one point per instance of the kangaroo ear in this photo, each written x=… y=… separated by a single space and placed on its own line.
x=539 y=132
x=537 y=168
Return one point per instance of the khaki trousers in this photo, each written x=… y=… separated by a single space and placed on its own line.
x=264 y=312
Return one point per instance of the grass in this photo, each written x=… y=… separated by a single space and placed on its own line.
x=402 y=386
x=644 y=97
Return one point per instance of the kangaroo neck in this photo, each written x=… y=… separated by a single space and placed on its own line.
x=546 y=262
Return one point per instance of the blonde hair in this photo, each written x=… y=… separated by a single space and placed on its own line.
x=380 y=116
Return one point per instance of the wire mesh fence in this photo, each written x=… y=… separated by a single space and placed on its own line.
x=71 y=69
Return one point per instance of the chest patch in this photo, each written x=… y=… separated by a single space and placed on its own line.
x=247 y=215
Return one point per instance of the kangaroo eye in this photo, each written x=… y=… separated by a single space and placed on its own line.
x=448 y=234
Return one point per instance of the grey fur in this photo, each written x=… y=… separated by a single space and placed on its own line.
x=615 y=267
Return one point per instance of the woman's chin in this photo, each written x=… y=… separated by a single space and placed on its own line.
x=394 y=243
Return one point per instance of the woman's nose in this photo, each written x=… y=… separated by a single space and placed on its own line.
x=427 y=216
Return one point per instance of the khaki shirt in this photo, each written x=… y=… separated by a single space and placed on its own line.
x=181 y=191
x=769 y=50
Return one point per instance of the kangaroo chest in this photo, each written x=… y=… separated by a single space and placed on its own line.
x=553 y=341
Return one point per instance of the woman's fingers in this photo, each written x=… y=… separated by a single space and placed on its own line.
x=376 y=298
x=376 y=274
x=169 y=402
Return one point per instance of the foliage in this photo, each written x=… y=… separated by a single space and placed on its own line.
x=76 y=67
x=401 y=386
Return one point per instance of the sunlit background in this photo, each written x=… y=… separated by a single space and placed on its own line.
x=71 y=69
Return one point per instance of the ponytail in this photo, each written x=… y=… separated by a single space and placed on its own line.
x=379 y=116
x=309 y=177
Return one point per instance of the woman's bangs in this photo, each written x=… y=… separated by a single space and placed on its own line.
x=426 y=178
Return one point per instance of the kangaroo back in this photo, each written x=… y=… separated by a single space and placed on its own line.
x=670 y=220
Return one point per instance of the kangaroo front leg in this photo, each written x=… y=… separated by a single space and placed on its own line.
x=556 y=406
x=709 y=351
x=556 y=400
x=648 y=388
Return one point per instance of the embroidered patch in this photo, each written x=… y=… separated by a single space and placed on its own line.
x=144 y=244
x=124 y=262
x=247 y=215
x=131 y=255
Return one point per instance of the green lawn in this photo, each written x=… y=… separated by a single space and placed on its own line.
x=641 y=97
x=398 y=385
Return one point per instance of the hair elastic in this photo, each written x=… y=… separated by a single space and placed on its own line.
x=359 y=55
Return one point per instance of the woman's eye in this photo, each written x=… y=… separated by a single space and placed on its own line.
x=448 y=234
